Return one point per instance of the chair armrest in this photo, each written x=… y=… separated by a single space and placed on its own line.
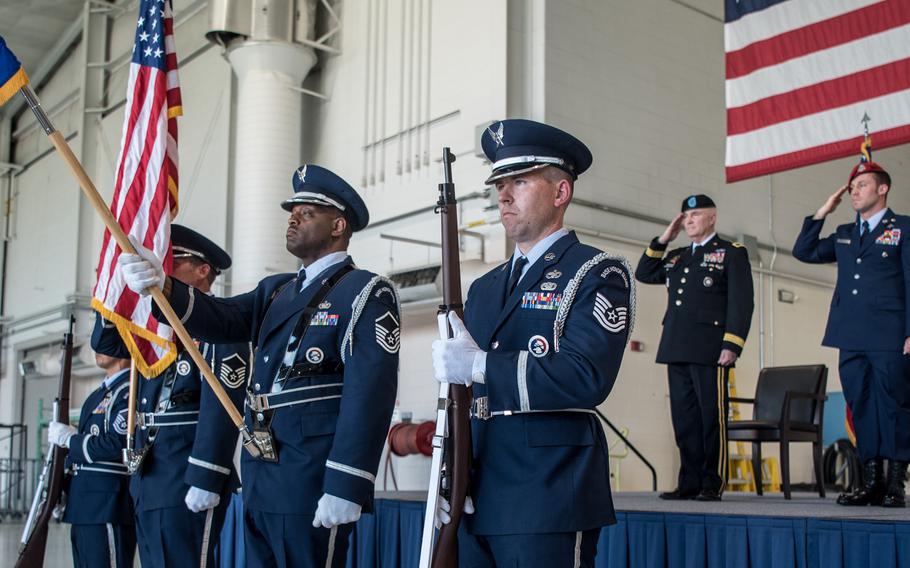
x=793 y=395
x=742 y=400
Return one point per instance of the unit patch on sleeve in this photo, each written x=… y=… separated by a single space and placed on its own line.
x=615 y=270
x=233 y=371
x=388 y=332
x=611 y=318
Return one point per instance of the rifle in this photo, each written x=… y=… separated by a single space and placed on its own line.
x=452 y=439
x=50 y=484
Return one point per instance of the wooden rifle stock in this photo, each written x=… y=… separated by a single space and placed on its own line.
x=457 y=454
x=50 y=487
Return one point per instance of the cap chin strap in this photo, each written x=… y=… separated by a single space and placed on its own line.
x=316 y=199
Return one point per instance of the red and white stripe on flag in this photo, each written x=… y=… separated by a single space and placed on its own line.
x=802 y=73
x=145 y=187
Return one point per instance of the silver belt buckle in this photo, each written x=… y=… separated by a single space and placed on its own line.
x=258 y=402
x=480 y=408
x=143 y=421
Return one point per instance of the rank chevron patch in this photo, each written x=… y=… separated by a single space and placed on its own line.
x=611 y=318
x=233 y=371
x=388 y=332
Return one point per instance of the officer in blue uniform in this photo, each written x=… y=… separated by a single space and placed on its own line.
x=870 y=323
x=98 y=504
x=541 y=345
x=183 y=485
x=324 y=380
x=709 y=311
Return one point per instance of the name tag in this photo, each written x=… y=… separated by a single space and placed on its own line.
x=843 y=241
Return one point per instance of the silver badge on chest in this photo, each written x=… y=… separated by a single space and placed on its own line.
x=553 y=274
x=548 y=286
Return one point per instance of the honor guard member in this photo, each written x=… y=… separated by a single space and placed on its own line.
x=709 y=311
x=183 y=485
x=98 y=504
x=541 y=345
x=870 y=323
x=324 y=380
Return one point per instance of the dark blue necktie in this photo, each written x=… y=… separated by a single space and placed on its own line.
x=520 y=263
x=863 y=231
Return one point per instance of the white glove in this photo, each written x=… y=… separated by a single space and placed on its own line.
x=141 y=271
x=332 y=511
x=442 y=510
x=59 y=434
x=459 y=360
x=60 y=507
x=201 y=500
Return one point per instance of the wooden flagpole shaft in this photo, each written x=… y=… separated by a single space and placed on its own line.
x=88 y=188
x=131 y=404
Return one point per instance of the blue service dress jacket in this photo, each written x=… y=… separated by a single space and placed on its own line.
x=333 y=413
x=189 y=437
x=98 y=485
x=869 y=307
x=554 y=346
x=195 y=444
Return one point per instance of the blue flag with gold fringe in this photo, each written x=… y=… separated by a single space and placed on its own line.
x=12 y=75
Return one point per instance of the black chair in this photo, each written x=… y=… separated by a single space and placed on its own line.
x=788 y=407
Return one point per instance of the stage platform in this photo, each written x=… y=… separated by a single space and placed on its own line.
x=743 y=530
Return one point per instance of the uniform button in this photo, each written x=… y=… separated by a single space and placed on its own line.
x=859 y=261
x=495 y=345
x=256 y=386
x=680 y=291
x=686 y=270
x=855 y=292
x=144 y=401
x=260 y=416
x=683 y=280
x=717 y=323
x=856 y=276
x=678 y=302
x=265 y=358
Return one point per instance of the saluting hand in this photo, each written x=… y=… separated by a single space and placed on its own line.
x=907 y=346
x=672 y=229
x=831 y=203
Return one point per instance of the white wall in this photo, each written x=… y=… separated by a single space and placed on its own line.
x=641 y=82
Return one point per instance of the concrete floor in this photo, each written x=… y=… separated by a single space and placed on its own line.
x=57 y=554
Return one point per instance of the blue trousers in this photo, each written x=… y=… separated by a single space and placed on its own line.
x=554 y=550
x=175 y=537
x=877 y=387
x=103 y=545
x=273 y=540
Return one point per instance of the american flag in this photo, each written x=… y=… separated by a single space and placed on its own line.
x=802 y=74
x=145 y=188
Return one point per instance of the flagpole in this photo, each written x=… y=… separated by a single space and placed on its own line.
x=258 y=445
x=132 y=458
